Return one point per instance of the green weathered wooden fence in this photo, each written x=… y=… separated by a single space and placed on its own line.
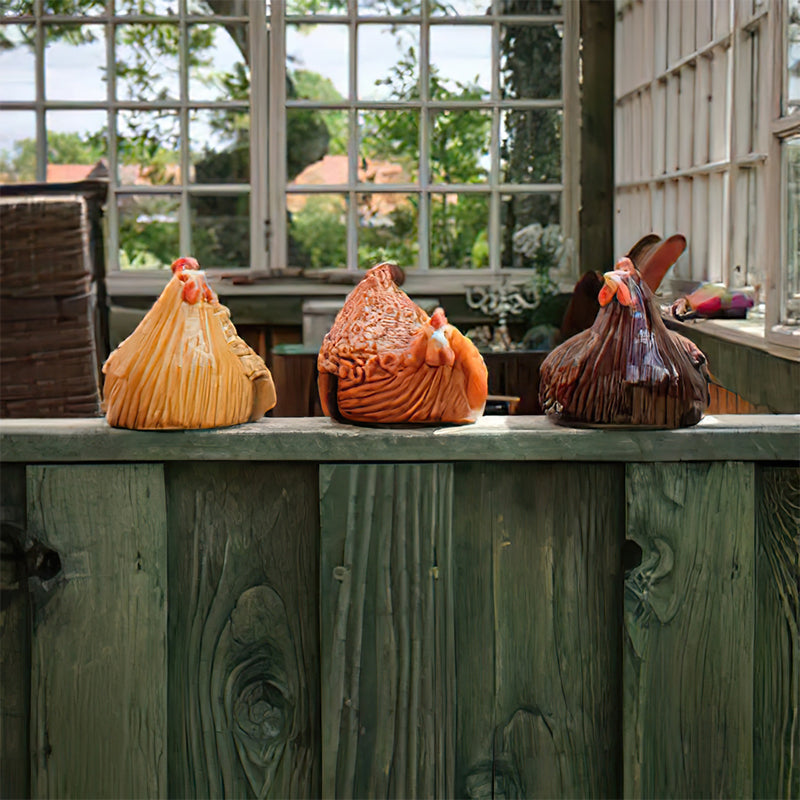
x=297 y=608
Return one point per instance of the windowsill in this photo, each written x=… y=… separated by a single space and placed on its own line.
x=138 y=283
x=745 y=332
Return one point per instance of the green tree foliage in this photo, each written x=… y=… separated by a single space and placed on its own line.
x=459 y=142
x=531 y=149
x=62 y=148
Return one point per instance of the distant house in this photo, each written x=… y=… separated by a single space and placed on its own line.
x=70 y=173
x=130 y=174
x=333 y=171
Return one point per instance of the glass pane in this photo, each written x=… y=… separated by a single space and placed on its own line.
x=74 y=8
x=147 y=62
x=791 y=153
x=389 y=146
x=389 y=7
x=74 y=62
x=218 y=63
x=530 y=146
x=461 y=8
x=212 y=8
x=524 y=7
x=316 y=146
x=461 y=62
x=220 y=230
x=148 y=231
x=17 y=146
x=387 y=229
x=316 y=7
x=219 y=146
x=530 y=61
x=148 y=143
x=17 y=62
x=459 y=225
x=530 y=232
x=388 y=65
x=793 y=59
x=76 y=145
x=317 y=230
x=162 y=7
x=317 y=62
x=14 y=8
x=459 y=143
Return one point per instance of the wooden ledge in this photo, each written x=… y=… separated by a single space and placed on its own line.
x=516 y=438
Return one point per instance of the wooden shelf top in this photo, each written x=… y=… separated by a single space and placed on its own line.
x=494 y=438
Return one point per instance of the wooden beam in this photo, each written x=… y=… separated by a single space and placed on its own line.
x=596 y=221
x=718 y=438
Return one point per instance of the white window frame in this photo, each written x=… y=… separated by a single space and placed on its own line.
x=568 y=103
x=267 y=106
x=782 y=127
x=255 y=20
x=698 y=91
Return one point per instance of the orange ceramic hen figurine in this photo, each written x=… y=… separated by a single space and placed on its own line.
x=385 y=361
x=185 y=366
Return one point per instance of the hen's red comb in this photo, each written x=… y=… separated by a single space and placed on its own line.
x=185 y=262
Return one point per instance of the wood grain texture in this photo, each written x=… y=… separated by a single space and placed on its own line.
x=243 y=630
x=98 y=705
x=537 y=562
x=316 y=439
x=386 y=598
x=689 y=617
x=776 y=731
x=15 y=638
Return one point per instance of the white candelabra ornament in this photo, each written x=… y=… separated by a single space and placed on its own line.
x=500 y=302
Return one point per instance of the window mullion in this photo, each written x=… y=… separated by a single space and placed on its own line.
x=495 y=256
x=185 y=217
x=354 y=144
x=423 y=223
x=277 y=137
x=112 y=210
x=41 y=125
x=261 y=223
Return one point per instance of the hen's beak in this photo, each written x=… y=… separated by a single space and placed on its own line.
x=616 y=284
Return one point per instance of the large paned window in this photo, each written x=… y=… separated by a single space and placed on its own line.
x=310 y=134
x=434 y=134
x=706 y=144
x=153 y=94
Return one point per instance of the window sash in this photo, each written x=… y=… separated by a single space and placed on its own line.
x=424 y=188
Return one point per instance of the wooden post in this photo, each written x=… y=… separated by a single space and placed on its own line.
x=776 y=709
x=15 y=638
x=597 y=136
x=99 y=649
x=689 y=617
x=386 y=597
x=243 y=630
x=537 y=552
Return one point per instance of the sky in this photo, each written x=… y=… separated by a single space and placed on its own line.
x=75 y=73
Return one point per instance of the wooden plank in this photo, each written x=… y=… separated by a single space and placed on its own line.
x=243 y=621
x=557 y=530
x=596 y=217
x=387 y=630
x=15 y=638
x=98 y=688
x=689 y=616
x=516 y=438
x=474 y=621
x=776 y=725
